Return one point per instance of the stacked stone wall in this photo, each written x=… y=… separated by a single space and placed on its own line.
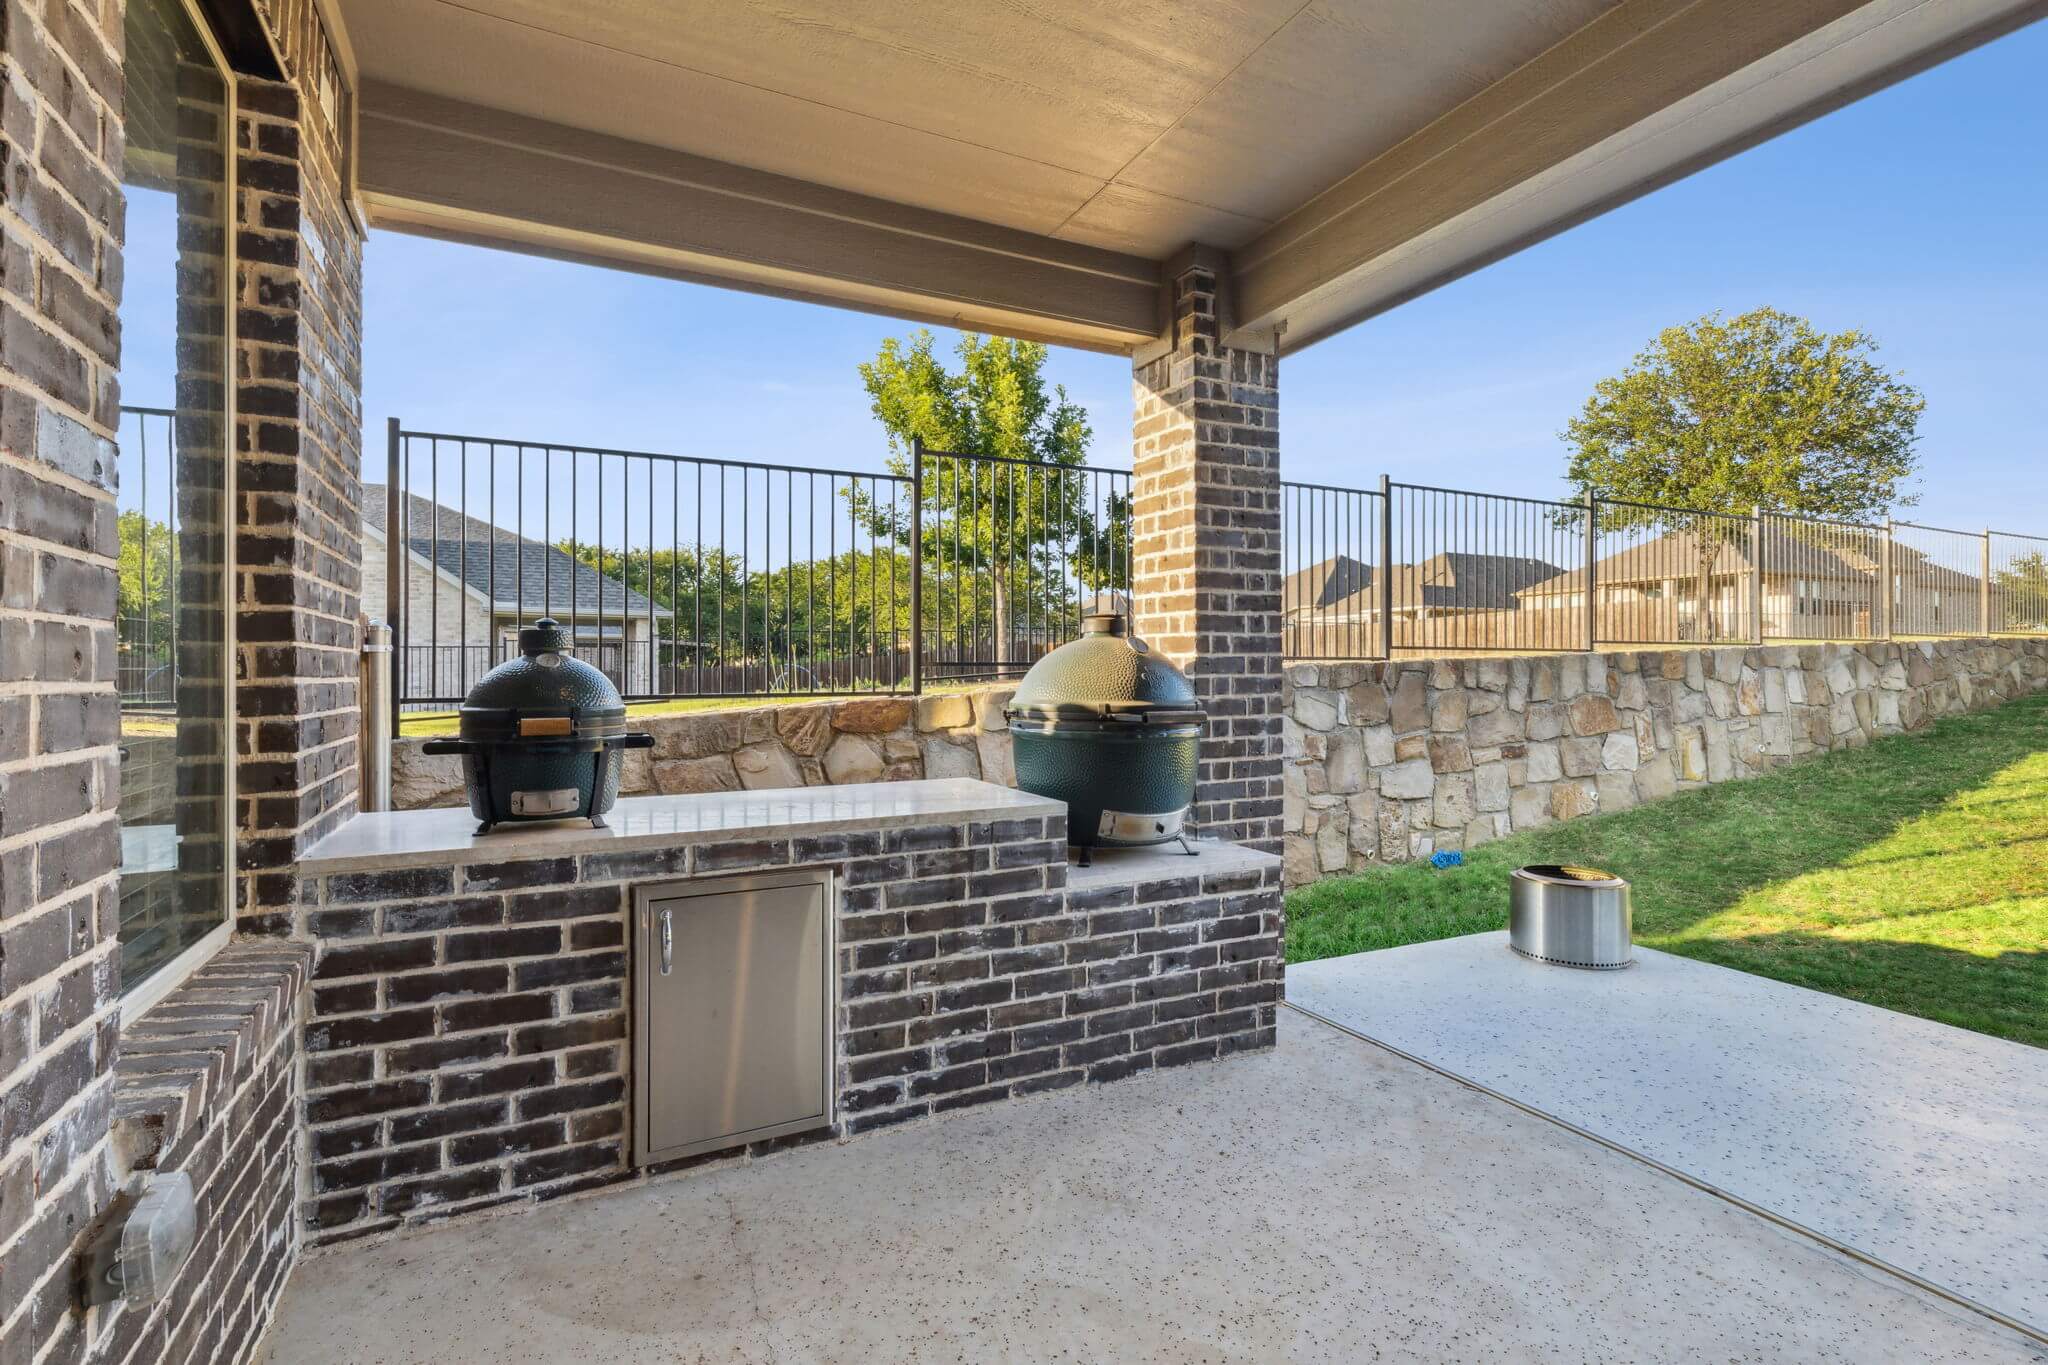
x=1388 y=762
x=755 y=745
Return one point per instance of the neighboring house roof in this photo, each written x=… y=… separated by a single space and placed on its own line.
x=1456 y=581
x=1325 y=584
x=1787 y=554
x=525 y=577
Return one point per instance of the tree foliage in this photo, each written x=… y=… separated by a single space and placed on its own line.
x=2020 y=586
x=148 y=562
x=1020 y=528
x=1762 y=411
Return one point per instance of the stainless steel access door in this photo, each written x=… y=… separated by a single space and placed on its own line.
x=734 y=998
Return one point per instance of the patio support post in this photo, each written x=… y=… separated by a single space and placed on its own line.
x=1206 y=538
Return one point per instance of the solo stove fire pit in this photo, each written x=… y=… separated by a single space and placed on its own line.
x=1572 y=916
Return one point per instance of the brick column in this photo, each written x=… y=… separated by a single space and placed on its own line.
x=1206 y=527
x=298 y=297
x=60 y=283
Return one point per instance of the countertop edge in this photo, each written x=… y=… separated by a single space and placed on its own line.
x=952 y=801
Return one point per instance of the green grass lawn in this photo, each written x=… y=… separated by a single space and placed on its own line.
x=1912 y=874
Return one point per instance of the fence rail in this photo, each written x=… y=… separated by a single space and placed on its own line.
x=685 y=577
x=1374 y=573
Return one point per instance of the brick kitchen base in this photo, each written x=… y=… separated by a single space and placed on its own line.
x=466 y=1041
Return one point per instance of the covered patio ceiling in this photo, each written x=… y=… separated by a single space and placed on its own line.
x=1027 y=168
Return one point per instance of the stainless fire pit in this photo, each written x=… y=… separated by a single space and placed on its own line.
x=1572 y=916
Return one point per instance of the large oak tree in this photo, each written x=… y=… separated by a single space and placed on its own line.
x=1729 y=416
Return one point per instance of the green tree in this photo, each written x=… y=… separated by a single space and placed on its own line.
x=1015 y=531
x=1762 y=411
x=2020 y=592
x=147 y=564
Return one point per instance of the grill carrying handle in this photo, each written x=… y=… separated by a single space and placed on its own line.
x=447 y=746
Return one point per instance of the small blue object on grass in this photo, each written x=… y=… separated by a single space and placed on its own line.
x=1447 y=858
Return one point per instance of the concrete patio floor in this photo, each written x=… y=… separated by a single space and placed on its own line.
x=1328 y=1201
x=1919 y=1144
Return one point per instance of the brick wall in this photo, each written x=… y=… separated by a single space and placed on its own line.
x=207 y=1086
x=467 y=1039
x=298 y=303
x=67 y=1123
x=60 y=279
x=1206 y=549
x=1387 y=762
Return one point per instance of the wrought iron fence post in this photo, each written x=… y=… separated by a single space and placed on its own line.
x=1884 y=569
x=1756 y=574
x=1386 y=567
x=395 y=566
x=1592 y=586
x=1984 y=587
x=916 y=565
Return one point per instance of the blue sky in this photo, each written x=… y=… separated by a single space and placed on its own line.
x=1915 y=214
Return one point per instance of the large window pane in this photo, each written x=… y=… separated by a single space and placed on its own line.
x=173 y=666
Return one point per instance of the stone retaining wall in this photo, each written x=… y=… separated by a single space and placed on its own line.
x=809 y=744
x=1392 y=761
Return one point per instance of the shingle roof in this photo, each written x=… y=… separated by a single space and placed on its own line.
x=1325 y=583
x=524 y=576
x=1453 y=581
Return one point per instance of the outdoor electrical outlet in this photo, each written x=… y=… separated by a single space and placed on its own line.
x=136 y=1254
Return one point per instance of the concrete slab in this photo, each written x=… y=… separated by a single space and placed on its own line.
x=1922 y=1145
x=1323 y=1202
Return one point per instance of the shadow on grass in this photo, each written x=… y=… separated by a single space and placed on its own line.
x=1800 y=874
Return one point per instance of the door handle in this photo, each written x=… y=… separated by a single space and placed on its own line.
x=668 y=941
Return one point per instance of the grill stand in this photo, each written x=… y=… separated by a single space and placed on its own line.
x=1087 y=851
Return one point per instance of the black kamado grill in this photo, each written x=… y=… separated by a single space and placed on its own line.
x=1113 y=730
x=542 y=736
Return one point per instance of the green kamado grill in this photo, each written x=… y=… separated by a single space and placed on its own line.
x=1107 y=726
x=542 y=736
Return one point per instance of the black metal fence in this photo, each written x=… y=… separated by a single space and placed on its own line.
x=147 y=524
x=1371 y=573
x=685 y=577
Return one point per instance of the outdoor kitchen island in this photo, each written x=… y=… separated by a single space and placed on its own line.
x=468 y=1040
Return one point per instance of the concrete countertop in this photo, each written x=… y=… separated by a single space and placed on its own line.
x=1161 y=862
x=420 y=838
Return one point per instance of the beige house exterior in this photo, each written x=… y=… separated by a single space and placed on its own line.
x=471 y=585
x=1818 y=582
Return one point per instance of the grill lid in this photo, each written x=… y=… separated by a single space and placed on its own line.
x=1105 y=675
x=544 y=694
